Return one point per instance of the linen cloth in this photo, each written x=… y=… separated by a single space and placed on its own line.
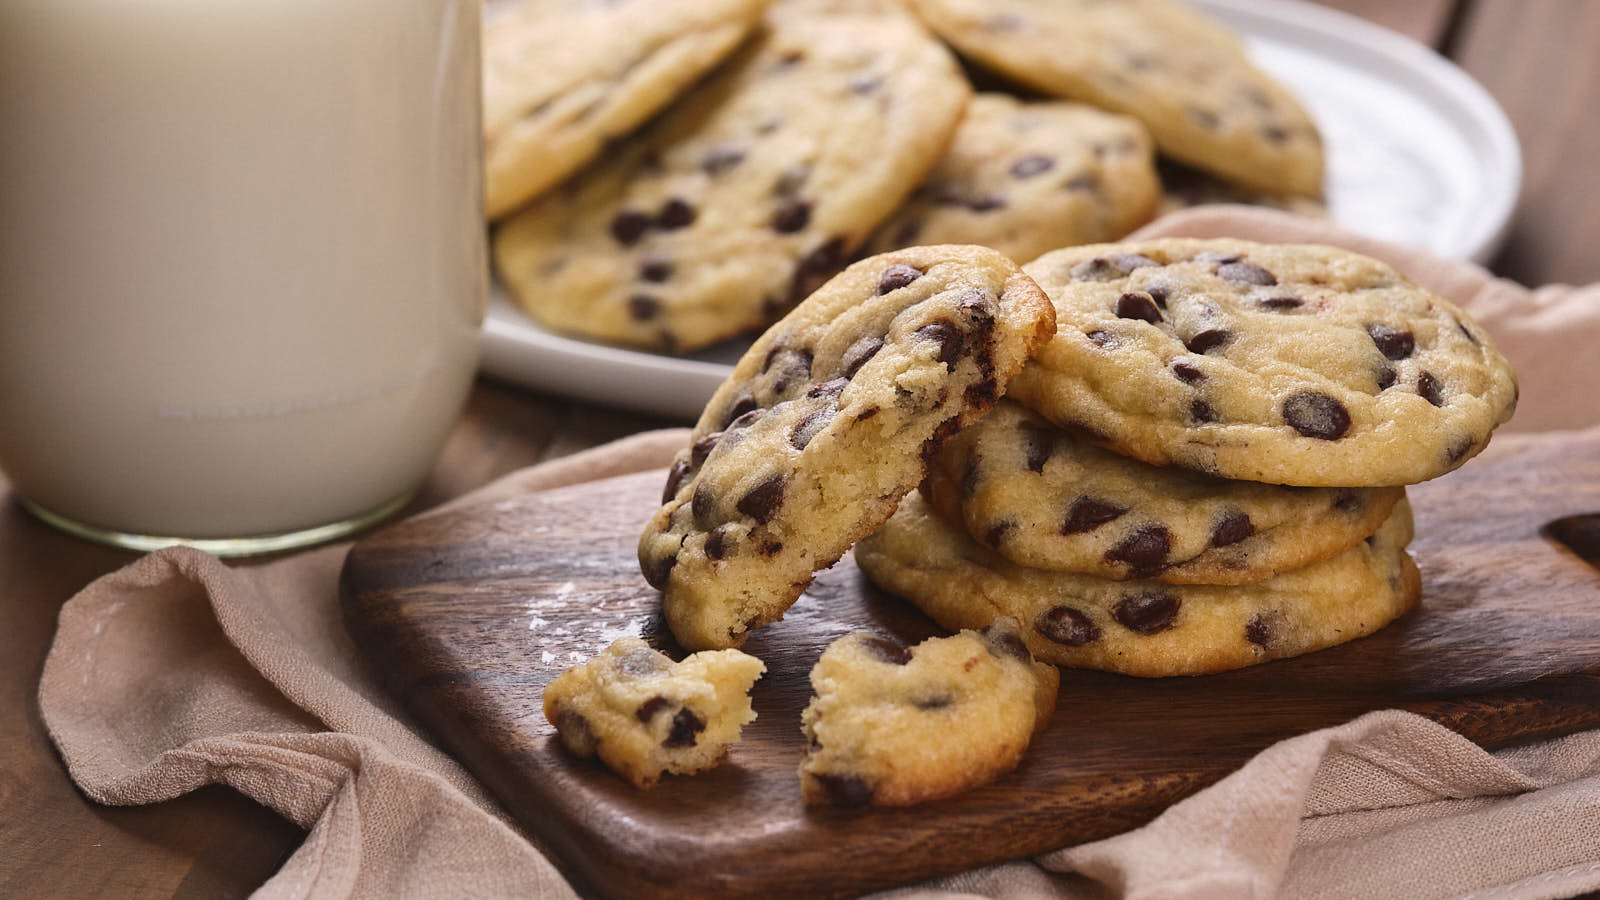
x=179 y=671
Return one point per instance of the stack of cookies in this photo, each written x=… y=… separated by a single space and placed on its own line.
x=667 y=174
x=1204 y=468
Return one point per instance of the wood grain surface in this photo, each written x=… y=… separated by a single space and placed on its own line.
x=468 y=614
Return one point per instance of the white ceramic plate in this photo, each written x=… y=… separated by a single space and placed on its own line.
x=1417 y=153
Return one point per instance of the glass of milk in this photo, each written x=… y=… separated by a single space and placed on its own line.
x=242 y=261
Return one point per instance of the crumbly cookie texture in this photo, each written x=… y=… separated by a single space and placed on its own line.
x=562 y=77
x=1047 y=498
x=1144 y=628
x=1289 y=364
x=1185 y=77
x=1026 y=177
x=892 y=725
x=826 y=423
x=739 y=201
x=1183 y=187
x=644 y=714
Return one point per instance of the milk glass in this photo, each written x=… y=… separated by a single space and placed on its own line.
x=241 y=261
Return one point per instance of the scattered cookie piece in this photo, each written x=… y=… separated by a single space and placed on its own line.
x=739 y=201
x=1027 y=177
x=1289 y=364
x=1184 y=76
x=825 y=424
x=643 y=714
x=1144 y=628
x=1047 y=498
x=562 y=77
x=892 y=725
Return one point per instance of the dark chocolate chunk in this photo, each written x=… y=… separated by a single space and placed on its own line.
x=791 y=365
x=1138 y=305
x=1127 y=262
x=1147 y=612
x=1429 y=388
x=949 y=338
x=703 y=504
x=642 y=307
x=997 y=532
x=685 y=725
x=675 y=476
x=1038 y=445
x=699 y=450
x=1395 y=343
x=721 y=159
x=1275 y=133
x=1159 y=293
x=1031 y=165
x=1106 y=268
x=1233 y=527
x=1386 y=378
x=1201 y=412
x=1067 y=626
x=844 y=790
x=654 y=268
x=889 y=651
x=717 y=542
x=792 y=179
x=656 y=571
x=742 y=404
x=1279 y=304
x=937 y=701
x=1459 y=450
x=856 y=355
x=1258 y=632
x=1316 y=415
x=1187 y=372
x=629 y=225
x=675 y=213
x=897 y=276
x=1466 y=332
x=1245 y=273
x=809 y=427
x=986 y=203
x=1004 y=641
x=762 y=501
x=648 y=709
x=792 y=216
x=833 y=387
x=1102 y=339
x=1085 y=182
x=1087 y=514
x=575 y=731
x=1209 y=339
x=1145 y=551
x=1350 y=501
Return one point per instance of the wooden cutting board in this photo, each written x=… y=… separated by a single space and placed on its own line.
x=469 y=613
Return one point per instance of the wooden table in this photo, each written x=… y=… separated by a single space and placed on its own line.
x=1536 y=56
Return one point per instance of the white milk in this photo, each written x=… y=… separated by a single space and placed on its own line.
x=241 y=256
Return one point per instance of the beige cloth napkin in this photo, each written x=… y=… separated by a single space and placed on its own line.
x=179 y=671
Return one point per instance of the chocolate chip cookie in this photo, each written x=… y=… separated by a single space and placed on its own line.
x=826 y=423
x=643 y=714
x=1185 y=77
x=743 y=198
x=1044 y=497
x=1183 y=187
x=561 y=77
x=893 y=725
x=1144 y=628
x=1028 y=177
x=1289 y=364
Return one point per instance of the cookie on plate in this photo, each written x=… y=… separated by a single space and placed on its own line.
x=740 y=200
x=562 y=77
x=1027 y=177
x=893 y=725
x=1183 y=187
x=1047 y=498
x=644 y=714
x=1290 y=364
x=825 y=424
x=1144 y=628
x=1185 y=77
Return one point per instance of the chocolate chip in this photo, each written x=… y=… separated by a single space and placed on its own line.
x=1086 y=182
x=937 y=701
x=575 y=731
x=1233 y=527
x=699 y=450
x=629 y=225
x=1106 y=268
x=742 y=404
x=1088 y=513
x=986 y=203
x=675 y=476
x=867 y=413
x=1005 y=641
x=1127 y=262
x=1386 y=377
x=982 y=394
x=856 y=355
x=997 y=532
x=949 y=338
x=743 y=421
x=969 y=477
x=763 y=500
x=1103 y=339
x=717 y=542
x=1031 y=165
x=866 y=84
x=1429 y=388
x=889 y=651
x=648 y=709
x=675 y=214
x=721 y=159
x=1468 y=334
x=1158 y=293
x=1459 y=450
x=792 y=216
x=1394 y=343
x=1279 y=304
x=815 y=266
x=657 y=571
x=897 y=276
x=1187 y=372
x=1209 y=339
x=1316 y=415
x=1138 y=305
x=1038 y=445
x=1258 y=632
x=833 y=387
x=685 y=725
x=1201 y=412
x=1245 y=273
x=643 y=307
x=1145 y=551
x=795 y=366
x=1147 y=612
x=1275 y=133
x=654 y=268
x=808 y=427
x=1350 y=501
x=844 y=790
x=769 y=548
x=703 y=504
x=1067 y=626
